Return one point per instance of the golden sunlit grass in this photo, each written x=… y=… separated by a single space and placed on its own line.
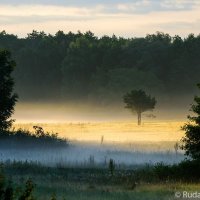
x=124 y=131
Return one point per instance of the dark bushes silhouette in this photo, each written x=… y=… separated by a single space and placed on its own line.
x=185 y=171
x=23 y=138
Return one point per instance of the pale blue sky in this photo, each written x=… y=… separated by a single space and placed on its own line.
x=127 y=18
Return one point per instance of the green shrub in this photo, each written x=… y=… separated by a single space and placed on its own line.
x=9 y=192
x=2 y=183
x=111 y=166
x=23 y=138
x=27 y=194
x=185 y=171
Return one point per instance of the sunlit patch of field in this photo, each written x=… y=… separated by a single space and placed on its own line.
x=123 y=132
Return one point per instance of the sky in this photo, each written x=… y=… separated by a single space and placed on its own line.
x=126 y=18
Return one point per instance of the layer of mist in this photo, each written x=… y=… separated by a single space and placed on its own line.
x=90 y=155
x=77 y=112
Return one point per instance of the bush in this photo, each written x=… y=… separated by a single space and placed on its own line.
x=163 y=172
x=23 y=138
x=2 y=183
x=111 y=166
x=27 y=193
x=7 y=190
x=185 y=171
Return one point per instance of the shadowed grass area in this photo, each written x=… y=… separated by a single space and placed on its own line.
x=46 y=187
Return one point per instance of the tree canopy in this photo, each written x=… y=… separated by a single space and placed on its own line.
x=81 y=66
x=191 y=140
x=138 y=101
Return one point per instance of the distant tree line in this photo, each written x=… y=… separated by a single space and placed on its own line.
x=82 y=66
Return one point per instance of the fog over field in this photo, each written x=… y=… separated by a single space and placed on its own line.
x=73 y=84
x=99 y=99
x=88 y=112
x=90 y=154
x=96 y=135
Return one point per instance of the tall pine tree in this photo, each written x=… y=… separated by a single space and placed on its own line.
x=7 y=98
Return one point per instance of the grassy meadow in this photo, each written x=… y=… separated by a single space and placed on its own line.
x=94 y=183
x=125 y=142
x=119 y=131
x=82 y=171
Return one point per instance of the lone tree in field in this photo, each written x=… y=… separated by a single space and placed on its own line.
x=191 y=141
x=7 y=98
x=138 y=101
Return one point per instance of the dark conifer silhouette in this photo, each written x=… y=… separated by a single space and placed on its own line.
x=191 y=140
x=7 y=98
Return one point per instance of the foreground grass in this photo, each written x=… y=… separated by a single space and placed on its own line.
x=47 y=187
x=93 y=183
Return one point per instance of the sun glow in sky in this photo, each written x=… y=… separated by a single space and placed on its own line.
x=128 y=18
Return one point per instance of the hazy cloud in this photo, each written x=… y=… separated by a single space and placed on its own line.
x=138 y=6
x=38 y=19
x=122 y=17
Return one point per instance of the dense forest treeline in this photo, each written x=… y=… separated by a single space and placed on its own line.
x=76 y=66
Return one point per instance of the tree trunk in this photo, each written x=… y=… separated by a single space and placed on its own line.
x=139 y=118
